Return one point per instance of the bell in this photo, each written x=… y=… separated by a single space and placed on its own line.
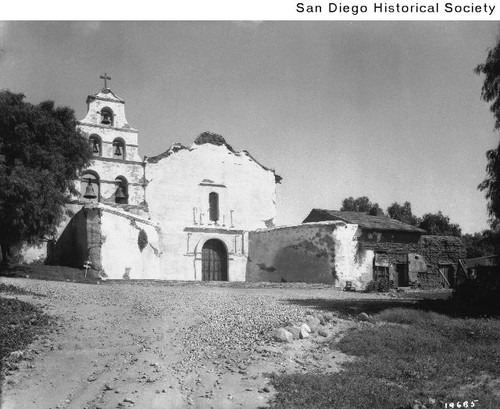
x=96 y=147
x=118 y=151
x=89 y=191
x=106 y=119
x=119 y=193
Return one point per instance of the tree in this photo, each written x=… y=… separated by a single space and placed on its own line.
x=41 y=155
x=403 y=213
x=481 y=244
x=490 y=92
x=439 y=225
x=361 y=204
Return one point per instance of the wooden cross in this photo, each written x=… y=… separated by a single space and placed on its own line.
x=105 y=78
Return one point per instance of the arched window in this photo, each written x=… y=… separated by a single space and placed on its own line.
x=107 y=117
x=119 y=148
x=213 y=206
x=121 y=192
x=90 y=186
x=96 y=145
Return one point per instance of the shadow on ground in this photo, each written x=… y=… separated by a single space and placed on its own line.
x=349 y=308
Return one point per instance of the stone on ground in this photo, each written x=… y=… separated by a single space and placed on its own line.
x=313 y=323
x=283 y=335
x=295 y=331
x=303 y=333
x=363 y=317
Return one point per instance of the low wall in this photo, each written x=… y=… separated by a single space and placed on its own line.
x=323 y=252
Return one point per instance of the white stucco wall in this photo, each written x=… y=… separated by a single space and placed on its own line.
x=120 y=251
x=352 y=262
x=177 y=194
x=107 y=165
x=177 y=187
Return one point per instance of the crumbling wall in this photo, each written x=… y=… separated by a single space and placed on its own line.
x=302 y=253
x=436 y=251
x=323 y=252
x=439 y=251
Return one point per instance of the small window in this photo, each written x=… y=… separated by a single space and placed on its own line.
x=119 y=149
x=121 y=192
x=213 y=204
x=107 y=117
x=96 y=145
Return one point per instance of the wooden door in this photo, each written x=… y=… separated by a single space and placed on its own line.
x=214 y=261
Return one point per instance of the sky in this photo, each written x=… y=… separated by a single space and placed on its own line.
x=389 y=110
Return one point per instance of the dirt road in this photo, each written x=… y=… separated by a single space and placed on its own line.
x=165 y=345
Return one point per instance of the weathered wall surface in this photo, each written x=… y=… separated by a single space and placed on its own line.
x=438 y=251
x=121 y=256
x=353 y=262
x=324 y=252
x=179 y=186
x=178 y=199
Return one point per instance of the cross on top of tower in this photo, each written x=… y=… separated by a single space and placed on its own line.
x=105 y=78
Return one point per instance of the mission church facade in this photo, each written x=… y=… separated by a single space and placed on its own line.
x=183 y=215
x=206 y=212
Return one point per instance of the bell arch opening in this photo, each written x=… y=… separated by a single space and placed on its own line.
x=90 y=186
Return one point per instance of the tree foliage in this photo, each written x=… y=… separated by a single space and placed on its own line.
x=41 y=154
x=361 y=204
x=439 y=225
x=481 y=244
x=403 y=213
x=490 y=92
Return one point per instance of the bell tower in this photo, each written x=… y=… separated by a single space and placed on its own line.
x=116 y=174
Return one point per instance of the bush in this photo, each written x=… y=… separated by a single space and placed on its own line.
x=381 y=285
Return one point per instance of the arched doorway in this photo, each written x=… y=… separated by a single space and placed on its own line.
x=214 y=261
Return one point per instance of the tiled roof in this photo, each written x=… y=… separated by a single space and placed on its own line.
x=364 y=220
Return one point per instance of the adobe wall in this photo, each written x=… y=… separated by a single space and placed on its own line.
x=439 y=250
x=324 y=252
x=436 y=250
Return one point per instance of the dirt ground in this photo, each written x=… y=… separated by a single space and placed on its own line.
x=166 y=345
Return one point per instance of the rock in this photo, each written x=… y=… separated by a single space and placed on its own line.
x=322 y=319
x=295 y=331
x=363 y=317
x=313 y=323
x=431 y=401
x=128 y=400
x=322 y=332
x=282 y=335
x=305 y=327
x=328 y=316
x=266 y=389
x=303 y=333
